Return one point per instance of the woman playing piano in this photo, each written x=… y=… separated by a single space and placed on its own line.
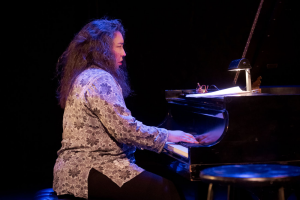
x=99 y=134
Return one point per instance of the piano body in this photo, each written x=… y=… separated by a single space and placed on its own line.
x=249 y=128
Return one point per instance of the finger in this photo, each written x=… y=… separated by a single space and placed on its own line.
x=203 y=142
x=192 y=137
x=191 y=140
x=188 y=135
x=201 y=137
x=206 y=141
x=194 y=140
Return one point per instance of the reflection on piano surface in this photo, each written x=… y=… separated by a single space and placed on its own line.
x=241 y=129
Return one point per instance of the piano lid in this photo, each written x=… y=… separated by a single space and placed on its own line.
x=273 y=51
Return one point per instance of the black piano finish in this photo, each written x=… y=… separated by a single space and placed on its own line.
x=256 y=128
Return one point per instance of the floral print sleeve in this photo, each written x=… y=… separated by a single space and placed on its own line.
x=104 y=98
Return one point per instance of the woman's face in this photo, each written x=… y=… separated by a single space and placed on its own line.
x=118 y=49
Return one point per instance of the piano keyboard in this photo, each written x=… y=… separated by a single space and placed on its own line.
x=178 y=149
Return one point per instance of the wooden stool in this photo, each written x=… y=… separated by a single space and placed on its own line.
x=268 y=176
x=49 y=194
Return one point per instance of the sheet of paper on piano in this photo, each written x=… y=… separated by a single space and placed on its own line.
x=176 y=148
x=229 y=91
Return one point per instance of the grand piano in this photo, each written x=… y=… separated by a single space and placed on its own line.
x=246 y=128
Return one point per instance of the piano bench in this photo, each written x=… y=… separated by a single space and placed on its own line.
x=261 y=179
x=49 y=194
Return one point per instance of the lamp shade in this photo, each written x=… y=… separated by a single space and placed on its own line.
x=239 y=64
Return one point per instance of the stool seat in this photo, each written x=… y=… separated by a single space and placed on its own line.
x=252 y=175
x=49 y=194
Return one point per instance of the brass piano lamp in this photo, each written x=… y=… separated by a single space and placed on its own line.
x=242 y=64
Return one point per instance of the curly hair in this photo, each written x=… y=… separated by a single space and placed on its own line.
x=91 y=47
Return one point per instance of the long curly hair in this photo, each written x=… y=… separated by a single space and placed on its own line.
x=91 y=47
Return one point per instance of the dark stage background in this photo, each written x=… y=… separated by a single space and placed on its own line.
x=168 y=45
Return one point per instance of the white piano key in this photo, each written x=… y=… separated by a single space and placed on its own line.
x=176 y=148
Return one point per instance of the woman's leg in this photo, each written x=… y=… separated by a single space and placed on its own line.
x=144 y=186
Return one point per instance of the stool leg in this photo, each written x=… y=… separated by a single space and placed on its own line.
x=232 y=193
x=228 y=192
x=281 y=193
x=210 y=192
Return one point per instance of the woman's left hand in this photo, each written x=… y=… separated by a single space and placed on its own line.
x=209 y=137
x=180 y=136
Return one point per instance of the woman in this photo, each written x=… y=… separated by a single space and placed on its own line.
x=99 y=134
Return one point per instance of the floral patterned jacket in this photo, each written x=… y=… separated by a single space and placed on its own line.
x=99 y=132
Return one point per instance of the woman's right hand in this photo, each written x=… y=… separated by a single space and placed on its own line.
x=180 y=136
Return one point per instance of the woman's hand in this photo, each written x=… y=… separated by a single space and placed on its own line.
x=209 y=137
x=180 y=136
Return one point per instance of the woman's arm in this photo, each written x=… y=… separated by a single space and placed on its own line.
x=105 y=99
